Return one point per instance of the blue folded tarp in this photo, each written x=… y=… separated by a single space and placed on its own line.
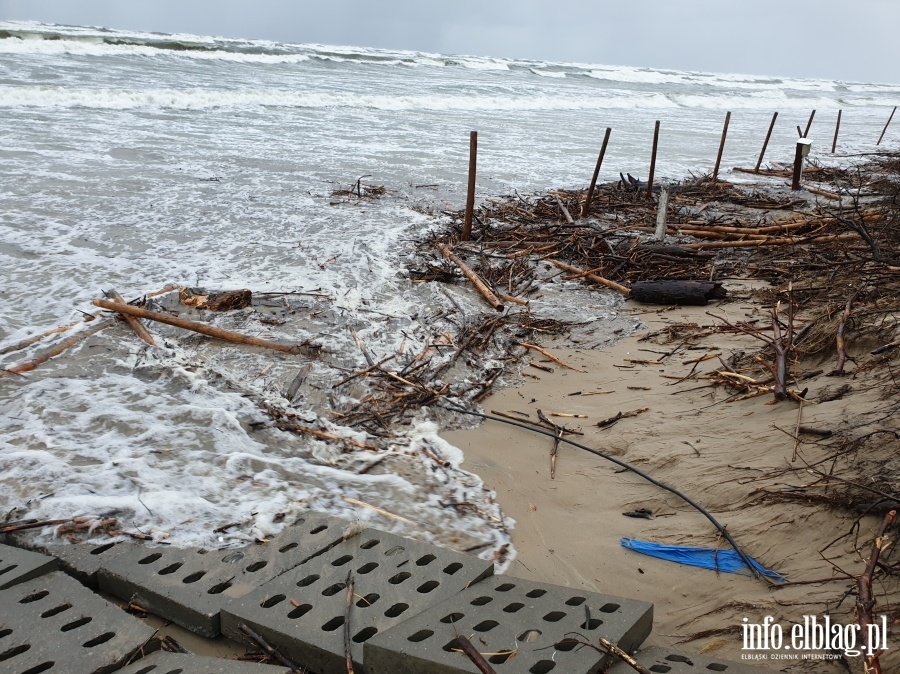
x=728 y=561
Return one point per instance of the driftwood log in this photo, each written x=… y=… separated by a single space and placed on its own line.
x=476 y=280
x=133 y=322
x=202 y=328
x=677 y=292
x=228 y=300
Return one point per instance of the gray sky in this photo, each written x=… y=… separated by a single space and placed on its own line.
x=832 y=39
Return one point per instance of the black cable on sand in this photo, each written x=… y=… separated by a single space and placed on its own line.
x=636 y=471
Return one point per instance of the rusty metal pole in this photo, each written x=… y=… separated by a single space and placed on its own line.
x=721 y=147
x=590 y=194
x=809 y=123
x=653 y=161
x=798 y=167
x=766 y=143
x=837 y=128
x=470 y=197
x=886 y=125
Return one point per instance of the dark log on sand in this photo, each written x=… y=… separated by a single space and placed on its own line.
x=696 y=293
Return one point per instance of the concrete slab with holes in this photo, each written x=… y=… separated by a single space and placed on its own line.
x=81 y=560
x=54 y=624
x=178 y=663
x=303 y=612
x=17 y=566
x=522 y=626
x=666 y=661
x=190 y=586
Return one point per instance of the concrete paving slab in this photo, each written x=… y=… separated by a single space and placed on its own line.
x=190 y=586
x=517 y=623
x=302 y=613
x=54 y=624
x=179 y=663
x=666 y=661
x=17 y=566
x=80 y=560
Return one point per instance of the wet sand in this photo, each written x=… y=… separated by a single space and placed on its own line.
x=568 y=529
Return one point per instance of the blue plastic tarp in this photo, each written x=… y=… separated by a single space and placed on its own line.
x=728 y=561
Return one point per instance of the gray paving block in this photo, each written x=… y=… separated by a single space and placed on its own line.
x=81 y=560
x=17 y=565
x=663 y=660
x=517 y=623
x=179 y=663
x=302 y=612
x=190 y=586
x=54 y=624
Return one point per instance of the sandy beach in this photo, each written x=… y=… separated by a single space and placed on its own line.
x=719 y=453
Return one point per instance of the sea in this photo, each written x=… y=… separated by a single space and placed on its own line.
x=134 y=161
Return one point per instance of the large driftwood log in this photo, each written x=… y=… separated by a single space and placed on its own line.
x=202 y=328
x=677 y=292
x=228 y=300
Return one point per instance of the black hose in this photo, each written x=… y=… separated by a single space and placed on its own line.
x=626 y=466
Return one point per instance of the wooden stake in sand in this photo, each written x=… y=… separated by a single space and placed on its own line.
x=590 y=193
x=202 y=328
x=653 y=161
x=886 y=126
x=765 y=143
x=809 y=123
x=470 y=195
x=480 y=285
x=837 y=128
x=133 y=323
x=715 y=176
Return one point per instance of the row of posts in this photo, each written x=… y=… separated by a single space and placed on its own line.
x=803 y=147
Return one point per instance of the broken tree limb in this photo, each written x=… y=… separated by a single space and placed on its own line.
x=774 y=241
x=550 y=356
x=472 y=653
x=25 y=343
x=839 y=338
x=622 y=655
x=479 y=284
x=621 y=415
x=695 y=293
x=618 y=287
x=865 y=602
x=202 y=328
x=58 y=349
x=133 y=323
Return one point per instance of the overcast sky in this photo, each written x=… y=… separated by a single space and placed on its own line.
x=831 y=39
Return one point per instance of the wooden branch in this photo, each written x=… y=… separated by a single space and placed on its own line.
x=619 y=288
x=57 y=350
x=865 y=602
x=348 y=651
x=202 y=328
x=565 y=211
x=550 y=356
x=774 y=241
x=480 y=285
x=267 y=648
x=472 y=653
x=841 y=342
x=623 y=656
x=621 y=415
x=133 y=323
x=25 y=343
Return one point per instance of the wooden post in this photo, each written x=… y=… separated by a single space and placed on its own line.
x=590 y=193
x=837 y=128
x=653 y=161
x=798 y=167
x=766 y=143
x=809 y=123
x=470 y=197
x=886 y=125
x=721 y=147
x=661 y=213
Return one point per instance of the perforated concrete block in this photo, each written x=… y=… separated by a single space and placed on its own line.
x=54 y=624
x=665 y=661
x=190 y=586
x=303 y=612
x=521 y=625
x=179 y=663
x=17 y=566
x=81 y=560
